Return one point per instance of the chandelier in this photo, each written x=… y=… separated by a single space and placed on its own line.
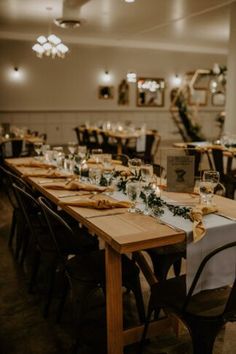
x=50 y=46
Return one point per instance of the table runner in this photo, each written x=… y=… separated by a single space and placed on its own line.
x=220 y=230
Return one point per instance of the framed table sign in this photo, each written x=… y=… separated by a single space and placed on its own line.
x=180 y=173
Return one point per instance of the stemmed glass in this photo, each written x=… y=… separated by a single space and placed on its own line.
x=134 y=165
x=72 y=147
x=38 y=148
x=147 y=175
x=133 y=192
x=209 y=181
x=108 y=174
x=95 y=175
x=97 y=155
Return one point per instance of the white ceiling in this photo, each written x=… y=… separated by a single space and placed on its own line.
x=196 y=25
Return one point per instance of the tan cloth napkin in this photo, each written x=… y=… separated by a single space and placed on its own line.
x=196 y=216
x=98 y=203
x=75 y=186
x=47 y=174
x=36 y=164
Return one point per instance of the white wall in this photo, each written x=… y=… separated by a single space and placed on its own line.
x=53 y=96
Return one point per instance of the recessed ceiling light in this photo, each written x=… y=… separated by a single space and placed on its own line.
x=129 y=1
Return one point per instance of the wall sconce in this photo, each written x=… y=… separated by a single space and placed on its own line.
x=176 y=81
x=131 y=77
x=106 y=77
x=15 y=74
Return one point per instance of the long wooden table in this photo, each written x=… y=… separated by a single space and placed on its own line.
x=122 y=232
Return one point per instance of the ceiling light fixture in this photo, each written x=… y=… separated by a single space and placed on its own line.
x=129 y=1
x=50 y=46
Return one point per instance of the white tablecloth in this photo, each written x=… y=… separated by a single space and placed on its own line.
x=221 y=270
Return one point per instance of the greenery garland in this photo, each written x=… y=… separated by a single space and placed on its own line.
x=154 y=202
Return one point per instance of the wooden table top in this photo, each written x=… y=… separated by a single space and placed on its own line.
x=28 y=138
x=124 y=231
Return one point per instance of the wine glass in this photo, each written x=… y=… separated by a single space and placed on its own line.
x=134 y=165
x=72 y=147
x=96 y=155
x=206 y=187
x=133 y=192
x=108 y=174
x=38 y=148
x=147 y=175
x=211 y=176
x=95 y=175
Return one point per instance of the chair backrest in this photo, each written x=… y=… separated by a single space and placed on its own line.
x=230 y=306
x=218 y=161
x=7 y=183
x=16 y=148
x=30 y=207
x=78 y=135
x=61 y=233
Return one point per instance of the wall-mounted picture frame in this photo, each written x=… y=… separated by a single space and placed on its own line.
x=198 y=96
x=106 y=92
x=218 y=99
x=150 y=92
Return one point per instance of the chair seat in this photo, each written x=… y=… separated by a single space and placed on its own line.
x=91 y=267
x=172 y=294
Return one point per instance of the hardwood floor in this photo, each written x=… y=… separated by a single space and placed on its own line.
x=23 y=329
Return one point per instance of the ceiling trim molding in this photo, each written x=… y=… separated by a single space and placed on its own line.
x=91 y=41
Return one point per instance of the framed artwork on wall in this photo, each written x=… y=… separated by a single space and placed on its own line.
x=150 y=92
x=198 y=96
x=106 y=92
x=218 y=98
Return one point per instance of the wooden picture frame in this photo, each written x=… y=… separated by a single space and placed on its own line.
x=106 y=92
x=198 y=96
x=150 y=92
x=218 y=99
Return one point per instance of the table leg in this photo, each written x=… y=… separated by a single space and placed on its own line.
x=114 y=304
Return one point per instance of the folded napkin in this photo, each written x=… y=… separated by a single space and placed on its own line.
x=98 y=203
x=36 y=164
x=196 y=216
x=75 y=186
x=47 y=174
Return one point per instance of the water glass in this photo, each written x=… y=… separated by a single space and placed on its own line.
x=134 y=165
x=108 y=174
x=72 y=147
x=206 y=190
x=95 y=175
x=38 y=148
x=146 y=173
x=211 y=176
x=133 y=192
x=97 y=155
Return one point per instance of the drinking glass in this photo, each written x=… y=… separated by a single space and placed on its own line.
x=72 y=147
x=147 y=175
x=134 y=165
x=45 y=148
x=97 y=155
x=108 y=174
x=38 y=148
x=107 y=161
x=211 y=176
x=95 y=175
x=206 y=191
x=133 y=192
